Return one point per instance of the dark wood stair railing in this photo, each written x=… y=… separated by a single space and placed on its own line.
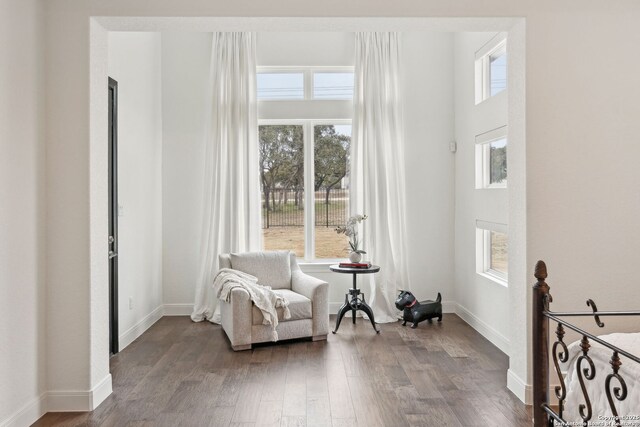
x=543 y=414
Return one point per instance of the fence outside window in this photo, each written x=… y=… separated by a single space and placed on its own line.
x=286 y=208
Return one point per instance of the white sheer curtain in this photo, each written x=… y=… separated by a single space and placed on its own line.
x=231 y=199
x=377 y=168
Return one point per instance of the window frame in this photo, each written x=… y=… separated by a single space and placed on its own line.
x=498 y=44
x=483 y=158
x=307 y=73
x=483 y=251
x=309 y=179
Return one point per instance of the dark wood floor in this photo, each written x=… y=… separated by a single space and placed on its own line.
x=180 y=373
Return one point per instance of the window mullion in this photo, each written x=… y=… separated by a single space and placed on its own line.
x=308 y=84
x=309 y=195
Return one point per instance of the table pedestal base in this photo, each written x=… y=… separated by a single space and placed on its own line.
x=354 y=305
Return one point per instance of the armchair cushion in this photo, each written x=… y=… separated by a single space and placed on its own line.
x=271 y=268
x=299 y=306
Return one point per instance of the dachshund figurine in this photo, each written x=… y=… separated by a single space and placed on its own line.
x=416 y=312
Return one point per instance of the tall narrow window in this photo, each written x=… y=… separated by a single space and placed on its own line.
x=331 y=188
x=282 y=184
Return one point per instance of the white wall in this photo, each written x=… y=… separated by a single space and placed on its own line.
x=134 y=62
x=428 y=105
x=482 y=302
x=185 y=70
x=22 y=238
x=286 y=48
x=427 y=96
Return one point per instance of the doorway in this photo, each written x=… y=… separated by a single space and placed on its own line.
x=113 y=217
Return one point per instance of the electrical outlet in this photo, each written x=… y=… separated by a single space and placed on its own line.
x=130 y=303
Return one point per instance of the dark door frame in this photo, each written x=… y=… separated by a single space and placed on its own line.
x=113 y=216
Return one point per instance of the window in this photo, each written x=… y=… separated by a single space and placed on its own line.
x=498 y=71
x=304 y=174
x=305 y=138
x=282 y=184
x=331 y=85
x=274 y=85
x=305 y=83
x=331 y=145
x=492 y=251
x=491 y=68
x=491 y=159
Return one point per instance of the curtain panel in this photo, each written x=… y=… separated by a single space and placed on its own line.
x=377 y=156
x=231 y=199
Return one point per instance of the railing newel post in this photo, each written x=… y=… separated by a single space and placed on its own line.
x=540 y=346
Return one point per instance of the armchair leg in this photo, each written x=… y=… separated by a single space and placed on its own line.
x=241 y=347
x=319 y=337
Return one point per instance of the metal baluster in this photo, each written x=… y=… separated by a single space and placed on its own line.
x=619 y=392
x=560 y=356
x=588 y=373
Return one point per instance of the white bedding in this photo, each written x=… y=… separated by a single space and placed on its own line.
x=628 y=409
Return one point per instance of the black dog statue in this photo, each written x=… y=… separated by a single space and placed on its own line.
x=416 y=312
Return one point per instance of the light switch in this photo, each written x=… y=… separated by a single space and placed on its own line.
x=120 y=210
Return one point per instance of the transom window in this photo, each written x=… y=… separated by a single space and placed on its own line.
x=332 y=85
x=310 y=83
x=280 y=85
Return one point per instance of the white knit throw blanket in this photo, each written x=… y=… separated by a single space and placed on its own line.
x=263 y=297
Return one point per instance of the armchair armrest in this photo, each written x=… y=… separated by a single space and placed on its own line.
x=318 y=292
x=236 y=318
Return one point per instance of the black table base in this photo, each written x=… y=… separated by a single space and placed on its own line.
x=354 y=304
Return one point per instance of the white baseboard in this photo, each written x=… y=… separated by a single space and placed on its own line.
x=139 y=328
x=178 y=309
x=28 y=414
x=79 y=401
x=334 y=307
x=101 y=391
x=519 y=387
x=495 y=337
x=449 y=307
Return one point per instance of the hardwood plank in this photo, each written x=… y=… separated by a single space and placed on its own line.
x=339 y=394
x=295 y=395
x=293 y=422
x=425 y=384
x=318 y=411
x=317 y=385
x=248 y=410
x=269 y=414
x=344 y=422
x=364 y=402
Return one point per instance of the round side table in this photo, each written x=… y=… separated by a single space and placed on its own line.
x=355 y=303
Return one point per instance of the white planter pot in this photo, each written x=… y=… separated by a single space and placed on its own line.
x=355 y=257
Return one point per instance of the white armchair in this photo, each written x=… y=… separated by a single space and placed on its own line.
x=308 y=300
